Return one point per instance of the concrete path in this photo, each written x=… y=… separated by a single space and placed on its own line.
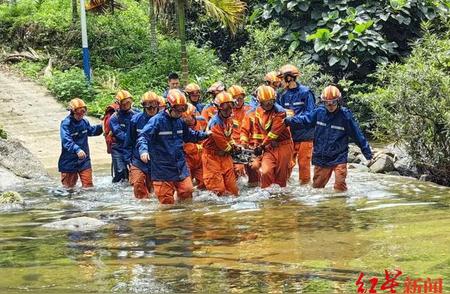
x=31 y=114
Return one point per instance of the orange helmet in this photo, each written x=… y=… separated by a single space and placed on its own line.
x=236 y=91
x=162 y=101
x=150 y=97
x=266 y=93
x=192 y=87
x=191 y=110
x=76 y=103
x=176 y=97
x=122 y=95
x=216 y=87
x=271 y=77
x=289 y=69
x=223 y=97
x=330 y=93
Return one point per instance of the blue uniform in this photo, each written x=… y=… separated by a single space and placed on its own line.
x=163 y=138
x=301 y=101
x=332 y=133
x=199 y=106
x=138 y=122
x=120 y=123
x=253 y=102
x=74 y=138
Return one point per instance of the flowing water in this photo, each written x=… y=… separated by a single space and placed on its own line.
x=279 y=240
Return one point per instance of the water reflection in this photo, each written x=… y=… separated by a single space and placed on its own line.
x=277 y=240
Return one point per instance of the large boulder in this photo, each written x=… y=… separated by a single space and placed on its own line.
x=76 y=224
x=406 y=167
x=19 y=161
x=383 y=163
x=396 y=151
x=354 y=154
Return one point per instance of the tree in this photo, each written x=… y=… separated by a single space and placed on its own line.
x=229 y=12
x=74 y=11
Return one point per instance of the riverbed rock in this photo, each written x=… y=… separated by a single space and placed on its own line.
x=354 y=154
x=10 y=197
x=76 y=224
x=406 y=167
x=19 y=161
x=358 y=167
x=382 y=164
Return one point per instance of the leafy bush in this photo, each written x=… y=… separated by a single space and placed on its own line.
x=351 y=36
x=411 y=104
x=263 y=54
x=69 y=84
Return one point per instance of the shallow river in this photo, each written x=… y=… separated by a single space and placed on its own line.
x=279 y=240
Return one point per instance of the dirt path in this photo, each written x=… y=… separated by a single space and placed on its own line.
x=29 y=113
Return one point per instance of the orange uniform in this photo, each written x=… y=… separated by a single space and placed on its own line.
x=251 y=136
x=278 y=146
x=209 y=111
x=193 y=152
x=218 y=173
x=237 y=118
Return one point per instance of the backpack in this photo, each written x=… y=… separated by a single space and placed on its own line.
x=109 y=137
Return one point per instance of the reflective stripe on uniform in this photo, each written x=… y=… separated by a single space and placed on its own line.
x=229 y=147
x=244 y=138
x=298 y=103
x=338 y=128
x=272 y=136
x=321 y=123
x=258 y=136
x=165 y=133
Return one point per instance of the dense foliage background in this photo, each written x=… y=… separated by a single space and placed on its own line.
x=390 y=58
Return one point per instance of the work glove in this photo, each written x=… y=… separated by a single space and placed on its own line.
x=258 y=150
x=145 y=157
x=287 y=121
x=81 y=154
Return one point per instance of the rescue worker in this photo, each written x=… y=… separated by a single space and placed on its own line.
x=334 y=125
x=239 y=111
x=163 y=138
x=173 y=82
x=251 y=138
x=193 y=151
x=218 y=172
x=75 y=157
x=120 y=124
x=193 y=92
x=210 y=110
x=298 y=100
x=139 y=171
x=273 y=80
x=277 y=146
x=162 y=103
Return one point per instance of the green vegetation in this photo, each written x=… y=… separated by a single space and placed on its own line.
x=3 y=134
x=350 y=37
x=411 y=104
x=342 y=41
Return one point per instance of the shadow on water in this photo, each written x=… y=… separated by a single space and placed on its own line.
x=295 y=239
